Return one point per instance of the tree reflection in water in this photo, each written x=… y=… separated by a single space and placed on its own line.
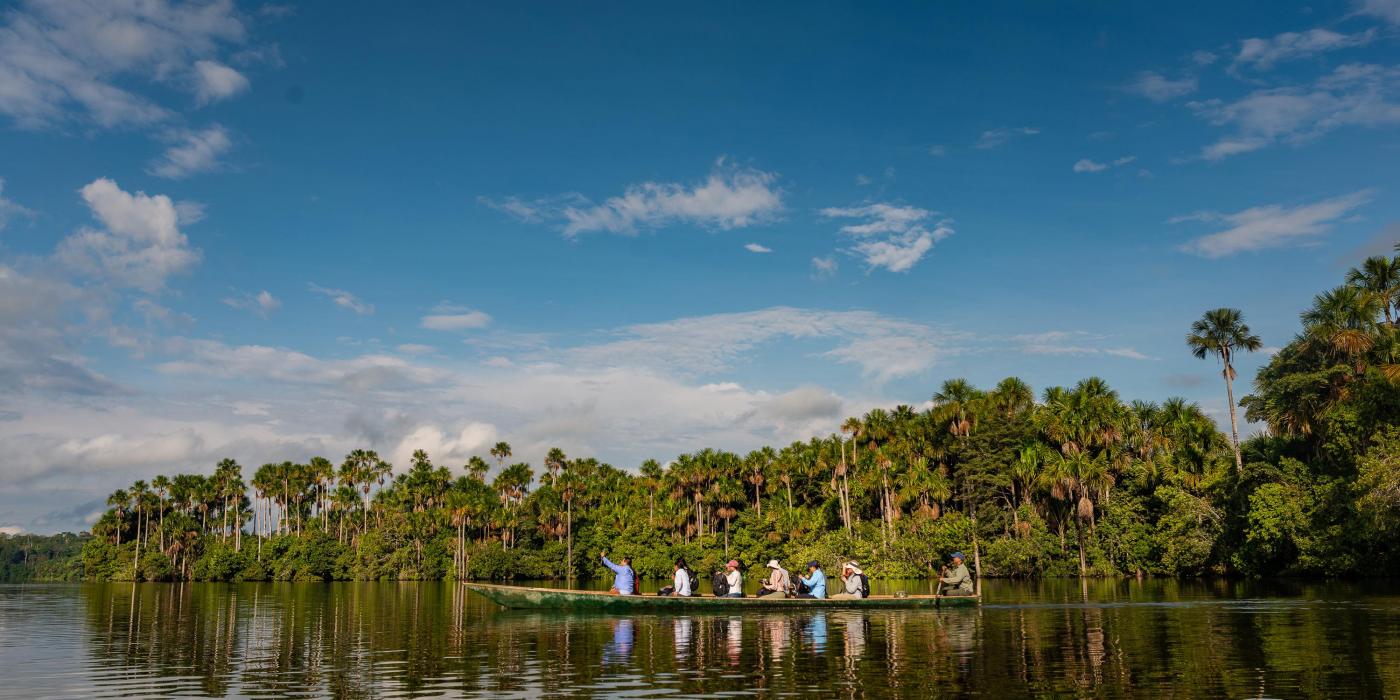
x=389 y=640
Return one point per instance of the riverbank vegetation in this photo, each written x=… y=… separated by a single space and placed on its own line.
x=1072 y=481
x=28 y=557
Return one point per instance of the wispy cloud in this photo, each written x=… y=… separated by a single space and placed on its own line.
x=993 y=138
x=1387 y=10
x=450 y=317
x=824 y=267
x=1159 y=88
x=892 y=236
x=216 y=81
x=757 y=248
x=1087 y=165
x=1077 y=343
x=262 y=303
x=67 y=60
x=192 y=152
x=1271 y=226
x=342 y=298
x=1352 y=95
x=1263 y=54
x=730 y=197
x=9 y=209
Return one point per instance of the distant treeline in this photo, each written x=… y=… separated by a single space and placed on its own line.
x=1076 y=482
x=41 y=557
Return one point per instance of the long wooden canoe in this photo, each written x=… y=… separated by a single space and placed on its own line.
x=522 y=597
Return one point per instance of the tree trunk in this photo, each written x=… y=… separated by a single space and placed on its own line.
x=1079 y=531
x=569 y=533
x=1229 y=373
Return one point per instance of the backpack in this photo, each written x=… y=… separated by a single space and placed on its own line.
x=720 y=583
x=694 y=582
x=864 y=586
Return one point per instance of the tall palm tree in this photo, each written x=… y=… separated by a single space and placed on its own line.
x=1380 y=277
x=161 y=485
x=1222 y=332
x=1344 y=320
x=501 y=452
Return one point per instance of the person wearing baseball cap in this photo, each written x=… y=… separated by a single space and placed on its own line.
x=959 y=582
x=814 y=581
x=778 y=581
x=735 y=579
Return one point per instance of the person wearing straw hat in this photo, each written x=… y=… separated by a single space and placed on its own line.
x=853 y=587
x=778 y=583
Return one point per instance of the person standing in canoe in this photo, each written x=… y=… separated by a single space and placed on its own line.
x=814 y=581
x=624 y=579
x=959 y=582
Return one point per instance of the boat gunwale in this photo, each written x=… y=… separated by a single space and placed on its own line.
x=677 y=600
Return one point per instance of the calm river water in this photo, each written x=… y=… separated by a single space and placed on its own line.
x=1111 y=638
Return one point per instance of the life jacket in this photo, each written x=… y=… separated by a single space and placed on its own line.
x=864 y=586
x=720 y=583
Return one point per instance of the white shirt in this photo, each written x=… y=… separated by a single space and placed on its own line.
x=736 y=581
x=681 y=582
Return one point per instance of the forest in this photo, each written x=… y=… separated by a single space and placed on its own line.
x=1073 y=481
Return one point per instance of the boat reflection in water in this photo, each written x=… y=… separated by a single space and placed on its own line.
x=394 y=640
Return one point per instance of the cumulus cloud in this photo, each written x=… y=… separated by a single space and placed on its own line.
x=262 y=303
x=65 y=60
x=216 y=81
x=992 y=138
x=140 y=245
x=757 y=248
x=1272 y=225
x=342 y=298
x=192 y=152
x=1351 y=95
x=731 y=197
x=1159 y=88
x=445 y=446
x=894 y=237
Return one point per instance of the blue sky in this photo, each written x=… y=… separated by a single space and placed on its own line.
x=273 y=231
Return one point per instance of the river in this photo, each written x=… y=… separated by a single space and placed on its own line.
x=1152 y=638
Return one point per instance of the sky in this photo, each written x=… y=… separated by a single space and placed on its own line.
x=633 y=230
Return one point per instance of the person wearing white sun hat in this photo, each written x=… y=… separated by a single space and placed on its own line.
x=778 y=583
x=853 y=583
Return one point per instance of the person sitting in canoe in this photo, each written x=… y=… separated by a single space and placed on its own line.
x=959 y=582
x=734 y=579
x=681 y=582
x=853 y=583
x=814 y=581
x=625 y=580
x=778 y=583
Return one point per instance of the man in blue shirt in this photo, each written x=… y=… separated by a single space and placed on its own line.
x=815 y=581
x=625 y=581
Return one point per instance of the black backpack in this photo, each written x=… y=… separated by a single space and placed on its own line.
x=694 y=582
x=720 y=583
x=864 y=586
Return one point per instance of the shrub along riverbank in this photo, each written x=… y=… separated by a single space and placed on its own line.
x=1079 y=482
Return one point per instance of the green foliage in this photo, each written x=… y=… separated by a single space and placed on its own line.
x=25 y=557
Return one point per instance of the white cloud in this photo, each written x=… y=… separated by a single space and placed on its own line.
x=62 y=60
x=1352 y=95
x=937 y=150
x=216 y=81
x=1159 y=88
x=142 y=244
x=825 y=267
x=992 y=138
x=365 y=373
x=192 y=152
x=444 y=448
x=731 y=197
x=757 y=248
x=342 y=298
x=262 y=303
x=1262 y=54
x=893 y=236
x=465 y=320
x=1272 y=226
x=1086 y=165
x=1076 y=343
x=415 y=349
x=1388 y=10
x=9 y=209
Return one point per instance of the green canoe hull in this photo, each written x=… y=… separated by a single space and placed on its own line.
x=524 y=598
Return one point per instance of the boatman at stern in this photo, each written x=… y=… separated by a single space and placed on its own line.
x=625 y=580
x=959 y=582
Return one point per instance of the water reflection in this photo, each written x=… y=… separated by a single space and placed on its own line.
x=413 y=640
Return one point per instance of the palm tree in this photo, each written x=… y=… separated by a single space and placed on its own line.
x=755 y=473
x=1380 y=277
x=477 y=468
x=501 y=452
x=118 y=501
x=1222 y=332
x=652 y=474
x=161 y=484
x=1344 y=319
